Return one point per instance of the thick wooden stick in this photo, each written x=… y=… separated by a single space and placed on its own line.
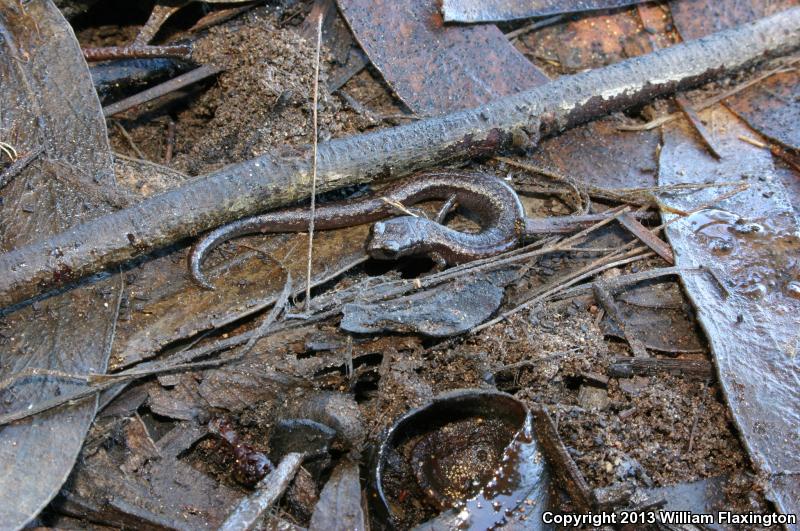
x=276 y=179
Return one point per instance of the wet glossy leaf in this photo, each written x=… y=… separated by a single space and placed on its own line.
x=749 y=303
x=49 y=104
x=498 y=10
x=435 y=68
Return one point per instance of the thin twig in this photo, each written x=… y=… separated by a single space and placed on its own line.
x=566 y=472
x=534 y=362
x=777 y=151
x=638 y=196
x=598 y=266
x=753 y=142
x=106 y=53
x=162 y=89
x=18 y=165
x=9 y=150
x=628 y=257
x=158 y=16
x=445 y=209
x=177 y=363
x=692 y=432
x=313 y=167
x=648 y=238
x=399 y=206
x=613 y=215
x=606 y=300
x=587 y=249
x=533 y=26
x=626 y=280
x=268 y=491
x=670 y=270
x=128 y=138
x=581 y=191
x=705 y=104
x=351 y=373
x=705 y=135
x=628 y=367
x=218 y=17
x=100 y=382
x=271 y=317
x=170 y=141
x=33 y=372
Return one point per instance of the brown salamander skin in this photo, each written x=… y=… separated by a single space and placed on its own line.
x=494 y=203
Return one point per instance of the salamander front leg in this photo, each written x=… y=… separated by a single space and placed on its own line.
x=439 y=261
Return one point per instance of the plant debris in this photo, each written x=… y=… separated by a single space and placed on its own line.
x=634 y=352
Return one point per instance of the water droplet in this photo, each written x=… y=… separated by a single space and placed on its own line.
x=720 y=246
x=749 y=227
x=755 y=291
x=793 y=289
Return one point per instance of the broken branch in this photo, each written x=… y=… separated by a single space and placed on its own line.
x=628 y=367
x=176 y=83
x=274 y=179
x=564 y=468
x=268 y=491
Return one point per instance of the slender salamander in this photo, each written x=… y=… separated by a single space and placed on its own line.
x=496 y=205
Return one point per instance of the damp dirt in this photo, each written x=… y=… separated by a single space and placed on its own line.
x=639 y=429
x=262 y=100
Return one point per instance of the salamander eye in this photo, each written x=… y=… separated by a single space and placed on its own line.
x=392 y=245
x=388 y=250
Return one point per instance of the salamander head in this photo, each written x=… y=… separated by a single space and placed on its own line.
x=398 y=237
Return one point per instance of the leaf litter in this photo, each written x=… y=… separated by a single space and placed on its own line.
x=642 y=431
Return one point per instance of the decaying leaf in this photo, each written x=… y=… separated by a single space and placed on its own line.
x=498 y=10
x=130 y=481
x=164 y=305
x=599 y=39
x=749 y=301
x=443 y=311
x=772 y=108
x=698 y=18
x=599 y=155
x=656 y=314
x=435 y=68
x=49 y=104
